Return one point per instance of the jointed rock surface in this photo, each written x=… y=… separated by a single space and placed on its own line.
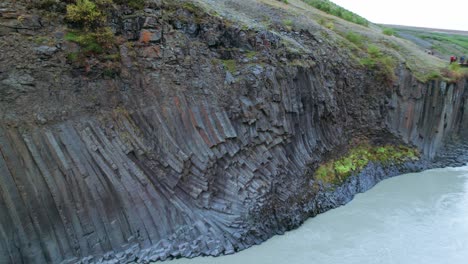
x=180 y=156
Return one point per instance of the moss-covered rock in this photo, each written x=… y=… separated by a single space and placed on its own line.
x=336 y=171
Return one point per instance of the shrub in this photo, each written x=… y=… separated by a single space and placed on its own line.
x=374 y=51
x=389 y=31
x=85 y=14
x=90 y=17
x=330 y=25
x=355 y=38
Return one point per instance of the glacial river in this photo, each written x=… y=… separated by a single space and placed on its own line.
x=419 y=218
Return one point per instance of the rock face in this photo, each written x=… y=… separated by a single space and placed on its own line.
x=171 y=159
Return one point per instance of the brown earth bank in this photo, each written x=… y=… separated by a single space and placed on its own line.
x=203 y=140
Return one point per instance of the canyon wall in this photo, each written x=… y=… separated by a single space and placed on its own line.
x=193 y=177
x=180 y=157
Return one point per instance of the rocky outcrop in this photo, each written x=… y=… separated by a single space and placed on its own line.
x=179 y=157
x=427 y=114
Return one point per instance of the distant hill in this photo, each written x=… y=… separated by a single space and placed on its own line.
x=433 y=30
x=443 y=42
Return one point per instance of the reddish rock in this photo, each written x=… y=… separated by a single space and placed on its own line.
x=150 y=35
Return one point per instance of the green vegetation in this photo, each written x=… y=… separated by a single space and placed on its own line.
x=435 y=66
x=251 y=54
x=330 y=25
x=376 y=60
x=92 y=42
x=230 y=65
x=434 y=75
x=89 y=19
x=335 y=172
x=355 y=38
x=72 y=57
x=447 y=44
x=444 y=44
x=389 y=31
x=42 y=40
x=454 y=72
x=288 y=23
x=86 y=14
x=455 y=67
x=459 y=40
x=333 y=9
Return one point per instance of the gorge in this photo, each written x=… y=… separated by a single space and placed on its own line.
x=200 y=130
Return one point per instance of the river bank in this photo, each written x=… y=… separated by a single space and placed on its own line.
x=406 y=219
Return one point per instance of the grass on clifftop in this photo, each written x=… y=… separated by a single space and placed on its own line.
x=335 y=172
x=336 y=10
x=456 y=41
x=443 y=43
x=353 y=39
x=384 y=64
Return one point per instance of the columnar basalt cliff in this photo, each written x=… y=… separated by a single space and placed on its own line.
x=180 y=156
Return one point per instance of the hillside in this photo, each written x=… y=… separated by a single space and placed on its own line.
x=349 y=37
x=444 y=43
x=149 y=130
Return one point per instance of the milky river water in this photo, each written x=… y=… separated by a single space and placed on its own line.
x=419 y=218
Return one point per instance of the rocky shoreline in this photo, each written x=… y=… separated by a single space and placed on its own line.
x=326 y=199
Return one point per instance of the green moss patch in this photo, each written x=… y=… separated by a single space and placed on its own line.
x=355 y=38
x=94 y=42
x=335 y=172
x=230 y=65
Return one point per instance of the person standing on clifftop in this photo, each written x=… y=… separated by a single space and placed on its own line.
x=462 y=59
x=453 y=59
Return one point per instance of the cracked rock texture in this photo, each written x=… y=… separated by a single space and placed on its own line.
x=179 y=157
